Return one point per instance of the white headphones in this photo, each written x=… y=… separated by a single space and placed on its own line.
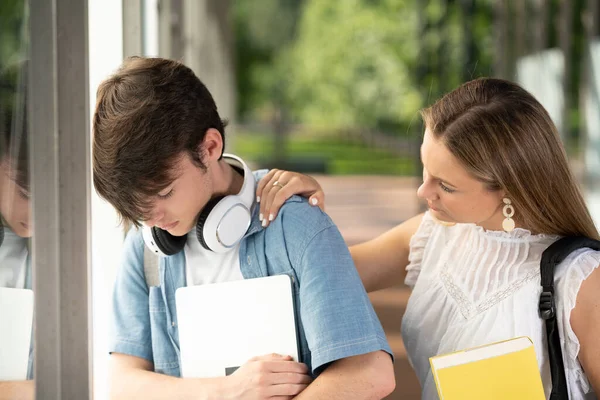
x=222 y=223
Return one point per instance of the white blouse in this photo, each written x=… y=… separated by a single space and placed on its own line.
x=473 y=287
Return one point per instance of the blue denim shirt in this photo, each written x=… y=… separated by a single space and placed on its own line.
x=335 y=317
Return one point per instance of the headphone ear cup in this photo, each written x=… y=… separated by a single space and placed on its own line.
x=167 y=243
x=202 y=220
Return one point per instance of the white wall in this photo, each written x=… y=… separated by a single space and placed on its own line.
x=542 y=74
x=105 y=52
x=150 y=28
x=592 y=119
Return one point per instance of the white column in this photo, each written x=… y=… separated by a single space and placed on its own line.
x=106 y=44
x=132 y=28
x=59 y=121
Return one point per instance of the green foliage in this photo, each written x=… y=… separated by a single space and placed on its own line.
x=360 y=64
x=13 y=45
x=351 y=64
x=264 y=29
x=13 y=31
x=340 y=157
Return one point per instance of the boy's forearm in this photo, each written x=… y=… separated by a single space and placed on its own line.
x=17 y=390
x=369 y=376
x=132 y=384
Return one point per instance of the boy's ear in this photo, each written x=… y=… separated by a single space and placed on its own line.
x=211 y=147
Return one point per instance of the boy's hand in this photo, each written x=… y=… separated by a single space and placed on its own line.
x=272 y=376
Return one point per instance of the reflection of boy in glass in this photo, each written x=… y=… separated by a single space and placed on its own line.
x=14 y=171
x=15 y=228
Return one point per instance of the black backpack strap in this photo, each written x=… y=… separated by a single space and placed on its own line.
x=551 y=257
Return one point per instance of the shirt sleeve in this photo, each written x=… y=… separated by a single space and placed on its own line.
x=130 y=328
x=336 y=313
x=417 y=247
x=570 y=274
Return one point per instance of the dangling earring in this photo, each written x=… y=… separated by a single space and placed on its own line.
x=508 y=211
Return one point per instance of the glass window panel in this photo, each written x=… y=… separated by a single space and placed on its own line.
x=16 y=296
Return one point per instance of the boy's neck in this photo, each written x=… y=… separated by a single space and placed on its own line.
x=232 y=180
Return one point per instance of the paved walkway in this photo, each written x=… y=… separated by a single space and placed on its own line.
x=364 y=207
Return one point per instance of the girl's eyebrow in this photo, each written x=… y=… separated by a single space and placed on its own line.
x=443 y=180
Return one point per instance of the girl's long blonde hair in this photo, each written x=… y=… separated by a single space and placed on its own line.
x=505 y=138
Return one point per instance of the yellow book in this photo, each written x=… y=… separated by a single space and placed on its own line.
x=502 y=370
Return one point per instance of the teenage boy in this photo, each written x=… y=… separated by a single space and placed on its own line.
x=158 y=158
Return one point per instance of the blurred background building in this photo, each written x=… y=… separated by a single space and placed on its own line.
x=333 y=89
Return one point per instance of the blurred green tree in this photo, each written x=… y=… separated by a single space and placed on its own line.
x=352 y=64
x=355 y=64
x=264 y=31
x=12 y=31
x=369 y=65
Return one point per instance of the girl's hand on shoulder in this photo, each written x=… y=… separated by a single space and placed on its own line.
x=278 y=186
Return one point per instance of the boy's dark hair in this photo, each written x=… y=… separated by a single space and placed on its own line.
x=147 y=114
x=13 y=121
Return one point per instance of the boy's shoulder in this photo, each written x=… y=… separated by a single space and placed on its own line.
x=297 y=210
x=134 y=246
x=298 y=222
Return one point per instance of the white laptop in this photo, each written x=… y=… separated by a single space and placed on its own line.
x=223 y=325
x=16 y=320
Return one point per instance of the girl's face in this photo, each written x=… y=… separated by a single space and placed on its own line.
x=452 y=194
